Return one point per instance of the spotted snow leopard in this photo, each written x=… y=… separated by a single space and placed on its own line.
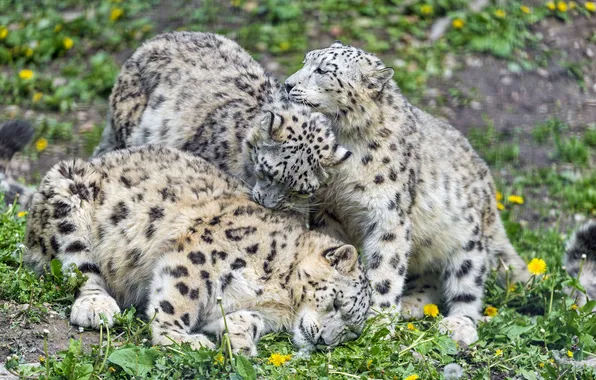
x=580 y=260
x=170 y=233
x=203 y=93
x=415 y=195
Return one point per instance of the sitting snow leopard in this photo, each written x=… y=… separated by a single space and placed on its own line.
x=203 y=93
x=415 y=195
x=170 y=233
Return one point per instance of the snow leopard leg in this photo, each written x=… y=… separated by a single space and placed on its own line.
x=245 y=327
x=60 y=226
x=420 y=290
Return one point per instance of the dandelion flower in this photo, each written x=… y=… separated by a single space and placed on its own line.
x=516 y=199
x=572 y=5
x=525 y=9
x=111 y=369
x=500 y=206
x=458 y=23
x=569 y=353
x=537 y=266
x=431 y=310
x=41 y=144
x=562 y=6
x=28 y=52
x=67 y=42
x=500 y=13
x=412 y=377
x=369 y=363
x=512 y=288
x=116 y=13
x=21 y=214
x=499 y=352
x=37 y=97
x=219 y=358
x=426 y=9
x=541 y=365
x=26 y=74
x=411 y=327
x=57 y=28
x=42 y=359
x=279 y=359
x=284 y=46
x=574 y=307
x=490 y=311
x=499 y=196
x=590 y=5
x=3 y=32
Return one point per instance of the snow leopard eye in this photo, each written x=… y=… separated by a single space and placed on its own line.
x=321 y=71
x=300 y=194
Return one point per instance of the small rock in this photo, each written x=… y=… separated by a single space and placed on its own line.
x=439 y=28
x=82 y=115
x=272 y=66
x=506 y=81
x=59 y=81
x=589 y=52
x=515 y=96
x=12 y=111
x=478 y=5
x=432 y=93
x=543 y=73
x=399 y=63
x=542 y=109
x=475 y=105
x=474 y=62
x=453 y=371
x=576 y=45
x=579 y=218
x=86 y=127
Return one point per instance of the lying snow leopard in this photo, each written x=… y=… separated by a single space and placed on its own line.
x=170 y=233
x=203 y=93
x=415 y=195
x=580 y=260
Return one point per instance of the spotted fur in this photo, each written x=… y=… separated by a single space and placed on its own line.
x=580 y=261
x=203 y=93
x=414 y=195
x=169 y=233
x=14 y=136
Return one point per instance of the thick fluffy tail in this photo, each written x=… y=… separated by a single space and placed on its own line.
x=14 y=135
x=580 y=259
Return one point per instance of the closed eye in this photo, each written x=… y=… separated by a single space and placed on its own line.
x=321 y=71
x=337 y=304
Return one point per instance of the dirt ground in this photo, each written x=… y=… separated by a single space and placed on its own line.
x=512 y=101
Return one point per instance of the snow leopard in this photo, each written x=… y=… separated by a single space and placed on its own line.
x=171 y=234
x=14 y=136
x=580 y=260
x=415 y=196
x=203 y=93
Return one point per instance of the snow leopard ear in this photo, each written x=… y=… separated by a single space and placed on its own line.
x=344 y=259
x=271 y=124
x=336 y=44
x=377 y=78
x=339 y=154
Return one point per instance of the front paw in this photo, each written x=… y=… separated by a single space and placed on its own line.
x=411 y=308
x=243 y=345
x=87 y=310
x=460 y=329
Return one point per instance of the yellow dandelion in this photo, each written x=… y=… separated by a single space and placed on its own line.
x=562 y=6
x=574 y=307
x=37 y=97
x=512 y=288
x=57 y=28
x=42 y=358
x=426 y=9
x=525 y=9
x=572 y=5
x=541 y=365
x=546 y=277
x=41 y=144
x=590 y=5
x=499 y=196
x=537 y=266
x=28 y=52
x=26 y=74
x=369 y=363
x=431 y=310
x=111 y=369
x=458 y=23
x=279 y=359
x=3 y=32
x=412 y=377
x=490 y=311
x=116 y=13
x=284 y=46
x=219 y=358
x=411 y=327
x=569 y=353
x=499 y=352
x=516 y=199
x=500 y=206
x=236 y=3
x=551 y=5
x=500 y=13
x=67 y=42
x=21 y=214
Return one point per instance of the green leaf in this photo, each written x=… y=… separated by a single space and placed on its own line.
x=135 y=361
x=245 y=368
x=56 y=269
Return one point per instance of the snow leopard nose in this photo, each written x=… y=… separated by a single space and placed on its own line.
x=289 y=87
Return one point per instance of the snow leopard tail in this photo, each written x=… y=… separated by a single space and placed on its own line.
x=128 y=102
x=505 y=258
x=580 y=259
x=14 y=136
